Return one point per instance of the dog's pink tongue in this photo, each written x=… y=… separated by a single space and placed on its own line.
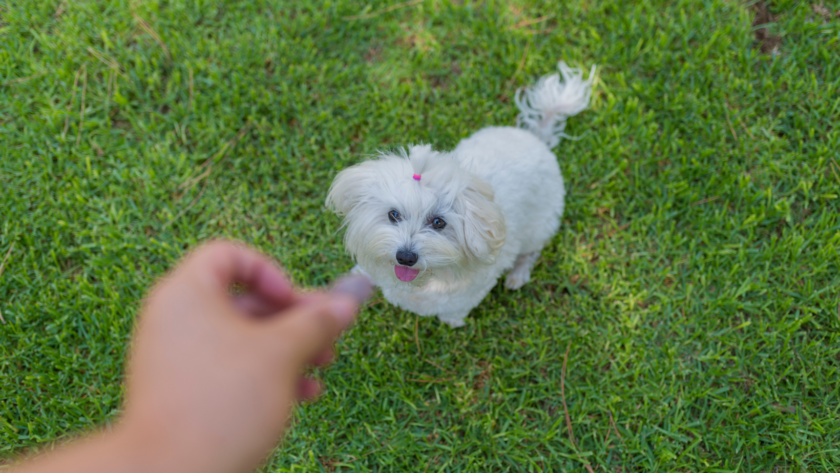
x=405 y=274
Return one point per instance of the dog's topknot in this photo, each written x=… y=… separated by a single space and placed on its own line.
x=419 y=156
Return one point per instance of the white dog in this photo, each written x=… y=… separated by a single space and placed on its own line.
x=435 y=230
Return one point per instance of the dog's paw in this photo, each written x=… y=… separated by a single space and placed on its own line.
x=520 y=274
x=516 y=279
x=454 y=323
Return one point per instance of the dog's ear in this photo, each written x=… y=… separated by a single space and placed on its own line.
x=484 y=223
x=348 y=189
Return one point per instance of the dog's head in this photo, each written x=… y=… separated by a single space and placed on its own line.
x=417 y=214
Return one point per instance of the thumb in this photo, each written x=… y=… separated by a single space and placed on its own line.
x=306 y=329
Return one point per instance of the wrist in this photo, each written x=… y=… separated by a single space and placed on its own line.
x=114 y=450
x=139 y=452
x=145 y=450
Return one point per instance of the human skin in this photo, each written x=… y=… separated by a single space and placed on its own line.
x=212 y=376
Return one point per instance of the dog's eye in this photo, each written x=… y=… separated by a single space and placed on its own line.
x=438 y=223
x=394 y=216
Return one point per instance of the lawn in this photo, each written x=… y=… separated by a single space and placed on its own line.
x=685 y=318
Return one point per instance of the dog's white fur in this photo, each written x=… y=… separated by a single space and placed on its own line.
x=499 y=191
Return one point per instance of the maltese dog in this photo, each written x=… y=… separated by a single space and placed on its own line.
x=435 y=230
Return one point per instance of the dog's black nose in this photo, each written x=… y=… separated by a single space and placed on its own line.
x=406 y=258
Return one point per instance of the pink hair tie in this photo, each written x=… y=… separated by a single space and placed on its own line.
x=416 y=177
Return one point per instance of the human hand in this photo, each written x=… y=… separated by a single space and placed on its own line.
x=212 y=377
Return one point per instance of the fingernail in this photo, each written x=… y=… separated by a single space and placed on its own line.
x=358 y=287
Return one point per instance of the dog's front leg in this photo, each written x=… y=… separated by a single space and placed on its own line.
x=454 y=320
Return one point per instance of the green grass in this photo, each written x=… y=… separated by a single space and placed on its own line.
x=694 y=282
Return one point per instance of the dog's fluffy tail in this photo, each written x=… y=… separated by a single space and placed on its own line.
x=546 y=105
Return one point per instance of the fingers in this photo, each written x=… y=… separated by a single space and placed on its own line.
x=221 y=264
x=323 y=358
x=306 y=331
x=254 y=305
x=308 y=389
x=306 y=325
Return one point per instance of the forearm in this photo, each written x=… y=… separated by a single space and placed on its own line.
x=101 y=452
x=113 y=451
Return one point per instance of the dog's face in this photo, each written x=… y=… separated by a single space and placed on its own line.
x=403 y=230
